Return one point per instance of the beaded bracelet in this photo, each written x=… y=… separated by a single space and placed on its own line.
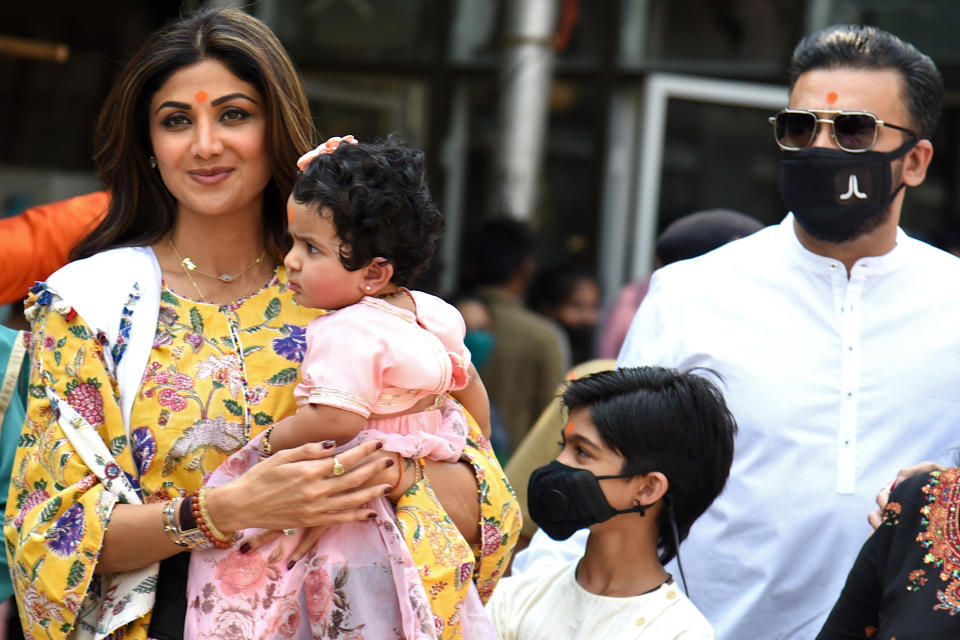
x=203 y=525
x=207 y=520
x=187 y=527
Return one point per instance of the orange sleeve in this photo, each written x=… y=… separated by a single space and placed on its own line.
x=35 y=243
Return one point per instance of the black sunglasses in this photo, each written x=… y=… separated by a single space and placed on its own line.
x=853 y=131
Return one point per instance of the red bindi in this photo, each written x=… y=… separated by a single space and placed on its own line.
x=831 y=97
x=201 y=96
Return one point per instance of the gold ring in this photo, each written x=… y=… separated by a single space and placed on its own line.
x=288 y=532
x=338 y=468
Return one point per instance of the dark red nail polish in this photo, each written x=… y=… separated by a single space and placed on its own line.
x=379 y=445
x=245 y=547
x=290 y=564
x=328 y=444
x=389 y=462
x=371 y=516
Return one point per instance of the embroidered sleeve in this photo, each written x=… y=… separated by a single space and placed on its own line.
x=58 y=511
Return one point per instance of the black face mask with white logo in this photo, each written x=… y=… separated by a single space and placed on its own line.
x=837 y=196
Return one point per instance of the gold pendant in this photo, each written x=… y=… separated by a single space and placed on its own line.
x=188 y=263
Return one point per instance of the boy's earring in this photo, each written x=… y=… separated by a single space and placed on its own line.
x=367 y=288
x=153 y=162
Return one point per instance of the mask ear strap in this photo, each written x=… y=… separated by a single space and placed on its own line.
x=668 y=500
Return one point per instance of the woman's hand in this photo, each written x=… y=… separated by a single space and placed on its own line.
x=875 y=517
x=298 y=488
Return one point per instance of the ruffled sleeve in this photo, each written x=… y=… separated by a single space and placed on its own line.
x=58 y=510
x=444 y=321
x=344 y=363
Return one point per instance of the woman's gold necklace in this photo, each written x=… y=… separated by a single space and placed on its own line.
x=188 y=265
x=187 y=271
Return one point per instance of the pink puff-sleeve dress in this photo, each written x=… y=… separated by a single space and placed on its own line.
x=381 y=362
x=359 y=581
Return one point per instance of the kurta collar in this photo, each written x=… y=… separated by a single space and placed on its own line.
x=824 y=265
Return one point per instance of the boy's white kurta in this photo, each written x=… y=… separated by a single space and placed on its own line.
x=548 y=604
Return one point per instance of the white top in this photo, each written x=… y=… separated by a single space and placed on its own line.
x=550 y=605
x=835 y=384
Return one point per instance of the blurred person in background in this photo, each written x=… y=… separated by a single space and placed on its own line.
x=688 y=237
x=37 y=242
x=530 y=352
x=570 y=296
x=479 y=339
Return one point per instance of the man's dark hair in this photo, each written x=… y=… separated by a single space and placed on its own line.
x=499 y=250
x=663 y=420
x=381 y=204
x=697 y=233
x=850 y=46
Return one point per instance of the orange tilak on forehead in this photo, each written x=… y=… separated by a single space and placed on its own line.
x=832 y=97
x=201 y=96
x=569 y=428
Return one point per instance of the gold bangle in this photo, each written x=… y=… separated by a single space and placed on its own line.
x=202 y=502
x=169 y=523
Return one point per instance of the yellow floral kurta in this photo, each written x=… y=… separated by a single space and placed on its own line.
x=217 y=375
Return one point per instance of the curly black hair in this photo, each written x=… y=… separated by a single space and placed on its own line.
x=380 y=202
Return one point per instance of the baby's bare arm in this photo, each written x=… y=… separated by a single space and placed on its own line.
x=315 y=423
x=474 y=399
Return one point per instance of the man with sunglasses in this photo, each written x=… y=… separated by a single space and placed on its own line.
x=837 y=335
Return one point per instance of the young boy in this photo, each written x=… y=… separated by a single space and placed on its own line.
x=645 y=452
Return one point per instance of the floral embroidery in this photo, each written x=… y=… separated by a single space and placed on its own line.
x=917 y=579
x=939 y=533
x=949 y=599
x=891 y=514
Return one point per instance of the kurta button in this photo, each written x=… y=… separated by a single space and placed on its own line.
x=641 y=621
x=833 y=266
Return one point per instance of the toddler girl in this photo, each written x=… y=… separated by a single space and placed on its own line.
x=379 y=364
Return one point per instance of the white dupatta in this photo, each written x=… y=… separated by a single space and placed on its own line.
x=116 y=292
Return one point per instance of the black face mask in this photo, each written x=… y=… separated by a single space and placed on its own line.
x=835 y=195
x=564 y=499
